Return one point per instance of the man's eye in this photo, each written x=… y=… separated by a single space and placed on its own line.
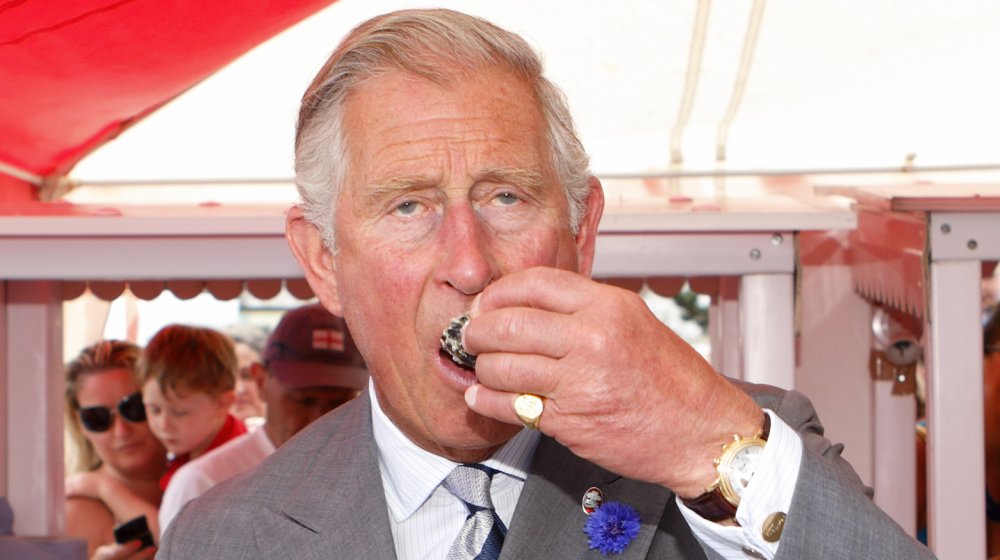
x=507 y=199
x=408 y=208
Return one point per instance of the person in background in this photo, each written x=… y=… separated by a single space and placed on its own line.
x=991 y=437
x=249 y=342
x=311 y=366
x=447 y=199
x=991 y=428
x=113 y=451
x=188 y=378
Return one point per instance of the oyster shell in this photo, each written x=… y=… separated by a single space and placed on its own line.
x=451 y=342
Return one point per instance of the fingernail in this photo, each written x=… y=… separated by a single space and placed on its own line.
x=474 y=310
x=470 y=395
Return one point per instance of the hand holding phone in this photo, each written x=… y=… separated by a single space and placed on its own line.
x=134 y=529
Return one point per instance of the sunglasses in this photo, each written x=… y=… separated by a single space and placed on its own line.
x=99 y=418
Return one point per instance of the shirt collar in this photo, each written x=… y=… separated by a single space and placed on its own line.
x=410 y=474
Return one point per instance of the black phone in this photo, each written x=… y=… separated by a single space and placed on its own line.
x=134 y=529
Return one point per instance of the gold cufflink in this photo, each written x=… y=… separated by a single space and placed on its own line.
x=773 y=525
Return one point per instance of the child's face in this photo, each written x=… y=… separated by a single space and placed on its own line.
x=186 y=422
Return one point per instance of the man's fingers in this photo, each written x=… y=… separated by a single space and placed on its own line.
x=498 y=405
x=519 y=330
x=519 y=373
x=541 y=288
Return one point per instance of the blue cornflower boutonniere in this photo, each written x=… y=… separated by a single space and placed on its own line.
x=612 y=527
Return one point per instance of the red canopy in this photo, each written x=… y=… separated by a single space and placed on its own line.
x=75 y=74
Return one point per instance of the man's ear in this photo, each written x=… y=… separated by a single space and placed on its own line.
x=586 y=238
x=315 y=259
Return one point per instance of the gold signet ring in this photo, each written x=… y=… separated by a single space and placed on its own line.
x=529 y=409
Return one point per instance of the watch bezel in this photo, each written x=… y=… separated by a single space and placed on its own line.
x=729 y=455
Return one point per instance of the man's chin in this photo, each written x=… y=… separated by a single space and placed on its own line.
x=474 y=437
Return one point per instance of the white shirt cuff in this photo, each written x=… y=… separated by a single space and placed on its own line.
x=770 y=491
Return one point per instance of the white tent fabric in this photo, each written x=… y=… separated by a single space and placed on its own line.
x=654 y=86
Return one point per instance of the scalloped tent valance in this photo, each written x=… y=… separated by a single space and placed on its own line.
x=188 y=289
x=270 y=287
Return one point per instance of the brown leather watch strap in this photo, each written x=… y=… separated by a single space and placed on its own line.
x=712 y=505
x=765 y=428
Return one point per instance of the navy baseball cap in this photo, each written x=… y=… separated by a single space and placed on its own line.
x=311 y=347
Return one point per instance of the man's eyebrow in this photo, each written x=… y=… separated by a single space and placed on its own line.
x=515 y=176
x=393 y=185
x=378 y=192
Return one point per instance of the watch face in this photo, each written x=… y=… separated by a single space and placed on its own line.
x=736 y=475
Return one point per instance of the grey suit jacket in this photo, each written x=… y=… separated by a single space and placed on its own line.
x=320 y=496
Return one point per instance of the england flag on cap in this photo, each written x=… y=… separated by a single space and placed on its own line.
x=328 y=339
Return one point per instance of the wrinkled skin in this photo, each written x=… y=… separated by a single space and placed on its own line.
x=653 y=411
x=451 y=195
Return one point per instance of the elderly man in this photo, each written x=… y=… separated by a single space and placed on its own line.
x=441 y=176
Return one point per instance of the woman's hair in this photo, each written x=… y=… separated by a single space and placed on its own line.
x=185 y=359
x=105 y=355
x=443 y=47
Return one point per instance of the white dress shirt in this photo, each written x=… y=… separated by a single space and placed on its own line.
x=426 y=518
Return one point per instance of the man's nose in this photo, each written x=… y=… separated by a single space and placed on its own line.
x=466 y=261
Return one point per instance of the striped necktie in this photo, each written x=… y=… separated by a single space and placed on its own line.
x=482 y=534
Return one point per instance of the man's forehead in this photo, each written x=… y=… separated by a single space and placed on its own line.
x=399 y=91
x=528 y=177
x=397 y=137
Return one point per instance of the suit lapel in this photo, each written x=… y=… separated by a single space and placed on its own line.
x=549 y=519
x=330 y=504
x=334 y=506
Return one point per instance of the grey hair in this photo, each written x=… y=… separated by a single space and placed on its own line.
x=432 y=44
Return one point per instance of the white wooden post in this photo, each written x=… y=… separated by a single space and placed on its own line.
x=955 y=461
x=5 y=391
x=768 y=327
x=895 y=444
x=724 y=326
x=33 y=391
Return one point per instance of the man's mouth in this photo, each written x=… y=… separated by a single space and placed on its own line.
x=446 y=358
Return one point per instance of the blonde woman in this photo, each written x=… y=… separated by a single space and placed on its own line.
x=112 y=450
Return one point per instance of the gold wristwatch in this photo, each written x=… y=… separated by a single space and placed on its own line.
x=734 y=469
